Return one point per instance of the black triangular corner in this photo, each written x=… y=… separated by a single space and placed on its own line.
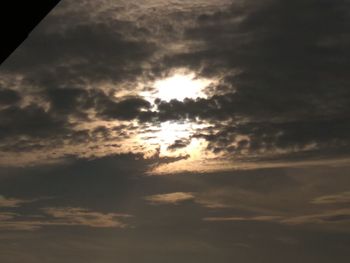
x=18 y=19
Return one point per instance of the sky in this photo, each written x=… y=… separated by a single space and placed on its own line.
x=178 y=131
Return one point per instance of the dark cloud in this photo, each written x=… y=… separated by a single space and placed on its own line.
x=71 y=94
x=67 y=100
x=282 y=66
x=8 y=96
x=288 y=75
x=126 y=109
x=178 y=144
x=61 y=68
x=31 y=120
x=318 y=137
x=90 y=52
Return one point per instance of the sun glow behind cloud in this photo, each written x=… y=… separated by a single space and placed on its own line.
x=167 y=134
x=175 y=138
x=180 y=86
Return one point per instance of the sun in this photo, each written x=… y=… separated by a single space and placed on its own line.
x=180 y=86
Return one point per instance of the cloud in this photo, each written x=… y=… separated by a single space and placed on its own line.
x=62 y=216
x=8 y=96
x=326 y=217
x=84 y=217
x=30 y=121
x=85 y=52
x=126 y=109
x=6 y=216
x=178 y=144
x=12 y=202
x=254 y=218
x=281 y=91
x=341 y=198
x=285 y=74
x=170 y=198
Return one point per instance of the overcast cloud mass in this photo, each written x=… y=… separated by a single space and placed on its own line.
x=178 y=131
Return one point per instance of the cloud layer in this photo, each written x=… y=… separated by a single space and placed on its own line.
x=280 y=68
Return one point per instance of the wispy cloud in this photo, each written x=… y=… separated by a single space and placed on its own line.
x=64 y=216
x=84 y=217
x=326 y=217
x=238 y=218
x=340 y=198
x=170 y=198
x=12 y=202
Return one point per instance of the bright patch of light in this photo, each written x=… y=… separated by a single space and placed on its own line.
x=167 y=133
x=180 y=87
